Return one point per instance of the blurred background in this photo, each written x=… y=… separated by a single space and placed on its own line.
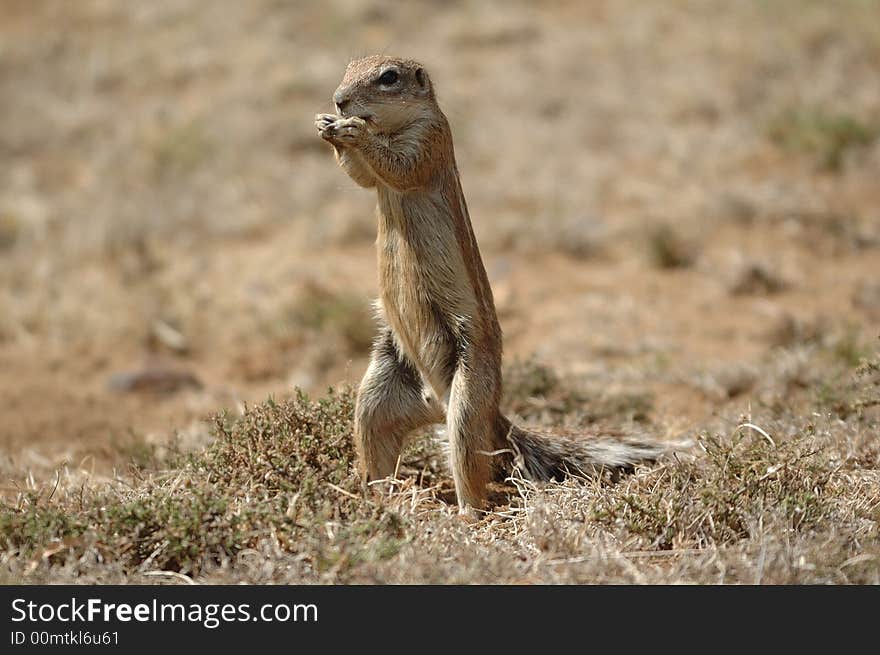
x=678 y=203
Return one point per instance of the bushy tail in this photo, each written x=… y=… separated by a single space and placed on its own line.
x=553 y=454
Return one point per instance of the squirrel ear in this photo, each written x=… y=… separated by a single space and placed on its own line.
x=421 y=78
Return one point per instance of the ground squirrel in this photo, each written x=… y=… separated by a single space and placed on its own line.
x=438 y=353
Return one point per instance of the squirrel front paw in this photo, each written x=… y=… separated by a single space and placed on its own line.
x=341 y=131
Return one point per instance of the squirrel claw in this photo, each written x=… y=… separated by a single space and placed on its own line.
x=340 y=130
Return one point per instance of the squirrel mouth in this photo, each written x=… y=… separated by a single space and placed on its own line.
x=367 y=116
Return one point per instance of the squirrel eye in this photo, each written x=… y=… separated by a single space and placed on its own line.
x=388 y=77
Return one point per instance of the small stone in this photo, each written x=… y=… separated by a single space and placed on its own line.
x=153 y=379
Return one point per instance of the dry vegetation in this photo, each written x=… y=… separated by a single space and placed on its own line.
x=679 y=211
x=274 y=499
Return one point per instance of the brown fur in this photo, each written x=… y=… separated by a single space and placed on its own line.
x=438 y=354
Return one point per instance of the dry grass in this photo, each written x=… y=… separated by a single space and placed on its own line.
x=669 y=249
x=538 y=394
x=274 y=498
x=829 y=137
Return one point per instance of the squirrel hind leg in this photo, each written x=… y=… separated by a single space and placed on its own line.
x=390 y=405
x=470 y=418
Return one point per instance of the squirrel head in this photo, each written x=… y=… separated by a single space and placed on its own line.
x=388 y=92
